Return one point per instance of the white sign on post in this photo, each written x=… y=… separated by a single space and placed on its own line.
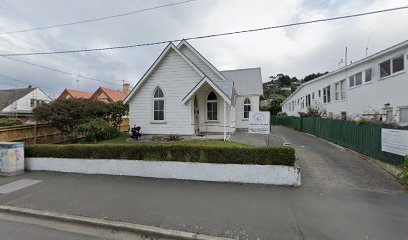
x=394 y=141
x=259 y=122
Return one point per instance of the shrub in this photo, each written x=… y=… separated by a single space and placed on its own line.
x=96 y=130
x=362 y=121
x=7 y=122
x=404 y=173
x=180 y=153
x=281 y=114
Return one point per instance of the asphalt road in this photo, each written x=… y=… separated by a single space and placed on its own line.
x=342 y=197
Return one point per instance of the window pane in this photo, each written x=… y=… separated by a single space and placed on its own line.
x=246 y=114
x=398 y=64
x=358 y=78
x=158 y=93
x=368 y=74
x=209 y=107
x=212 y=96
x=351 y=81
x=156 y=115
x=156 y=105
x=385 y=68
x=161 y=115
x=161 y=105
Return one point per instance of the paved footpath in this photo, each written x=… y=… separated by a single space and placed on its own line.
x=343 y=197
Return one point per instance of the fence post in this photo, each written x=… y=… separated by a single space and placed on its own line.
x=35 y=134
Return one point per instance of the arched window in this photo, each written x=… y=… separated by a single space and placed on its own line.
x=158 y=105
x=247 y=108
x=212 y=106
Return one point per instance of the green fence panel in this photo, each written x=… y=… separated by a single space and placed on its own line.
x=363 y=138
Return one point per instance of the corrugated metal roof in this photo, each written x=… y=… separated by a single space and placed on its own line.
x=226 y=87
x=246 y=81
x=8 y=96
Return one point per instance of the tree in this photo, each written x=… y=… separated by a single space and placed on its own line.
x=67 y=114
x=117 y=111
x=282 y=79
x=312 y=76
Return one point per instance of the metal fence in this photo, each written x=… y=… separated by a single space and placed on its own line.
x=362 y=138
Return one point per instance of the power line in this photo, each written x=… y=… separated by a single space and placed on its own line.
x=59 y=71
x=211 y=35
x=96 y=19
x=20 y=81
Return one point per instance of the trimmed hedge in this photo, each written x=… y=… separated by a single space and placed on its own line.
x=180 y=153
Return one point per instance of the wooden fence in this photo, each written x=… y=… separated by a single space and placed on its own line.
x=43 y=133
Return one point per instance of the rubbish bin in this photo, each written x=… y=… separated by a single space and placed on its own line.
x=11 y=158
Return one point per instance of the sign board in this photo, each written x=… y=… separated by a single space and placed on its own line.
x=394 y=141
x=259 y=122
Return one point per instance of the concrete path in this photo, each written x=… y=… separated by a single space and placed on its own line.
x=10 y=230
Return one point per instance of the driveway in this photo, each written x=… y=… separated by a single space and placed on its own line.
x=325 y=165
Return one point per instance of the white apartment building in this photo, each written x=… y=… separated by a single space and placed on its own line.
x=375 y=87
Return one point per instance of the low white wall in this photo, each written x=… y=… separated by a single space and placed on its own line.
x=262 y=174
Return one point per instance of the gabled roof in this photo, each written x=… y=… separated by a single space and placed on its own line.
x=8 y=96
x=203 y=59
x=75 y=94
x=246 y=81
x=156 y=63
x=113 y=95
x=218 y=89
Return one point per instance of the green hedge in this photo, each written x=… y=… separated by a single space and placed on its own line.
x=205 y=154
x=8 y=122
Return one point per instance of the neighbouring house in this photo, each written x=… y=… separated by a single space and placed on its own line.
x=101 y=94
x=108 y=95
x=20 y=102
x=374 y=87
x=183 y=93
x=75 y=94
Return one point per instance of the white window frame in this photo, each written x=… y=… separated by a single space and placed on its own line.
x=339 y=89
x=391 y=61
x=326 y=94
x=159 y=110
x=206 y=105
x=365 y=75
x=246 y=104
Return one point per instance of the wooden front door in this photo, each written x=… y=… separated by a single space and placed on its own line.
x=196 y=117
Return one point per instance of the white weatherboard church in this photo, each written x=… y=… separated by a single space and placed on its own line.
x=184 y=94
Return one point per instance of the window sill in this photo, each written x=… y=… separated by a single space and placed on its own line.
x=392 y=75
x=337 y=101
x=211 y=121
x=245 y=119
x=363 y=84
x=158 y=122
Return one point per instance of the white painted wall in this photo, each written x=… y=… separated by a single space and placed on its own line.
x=258 y=174
x=239 y=114
x=24 y=103
x=176 y=78
x=199 y=63
x=366 y=98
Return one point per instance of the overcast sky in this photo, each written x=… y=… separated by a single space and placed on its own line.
x=295 y=51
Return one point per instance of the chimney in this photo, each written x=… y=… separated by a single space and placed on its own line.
x=126 y=87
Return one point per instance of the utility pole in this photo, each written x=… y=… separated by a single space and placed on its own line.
x=77 y=80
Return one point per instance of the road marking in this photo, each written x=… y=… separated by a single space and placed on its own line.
x=17 y=185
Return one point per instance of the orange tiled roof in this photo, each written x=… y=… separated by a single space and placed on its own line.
x=76 y=94
x=113 y=95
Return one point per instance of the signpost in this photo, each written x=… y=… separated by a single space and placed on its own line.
x=394 y=141
x=259 y=123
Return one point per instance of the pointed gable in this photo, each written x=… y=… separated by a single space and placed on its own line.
x=203 y=64
x=170 y=62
